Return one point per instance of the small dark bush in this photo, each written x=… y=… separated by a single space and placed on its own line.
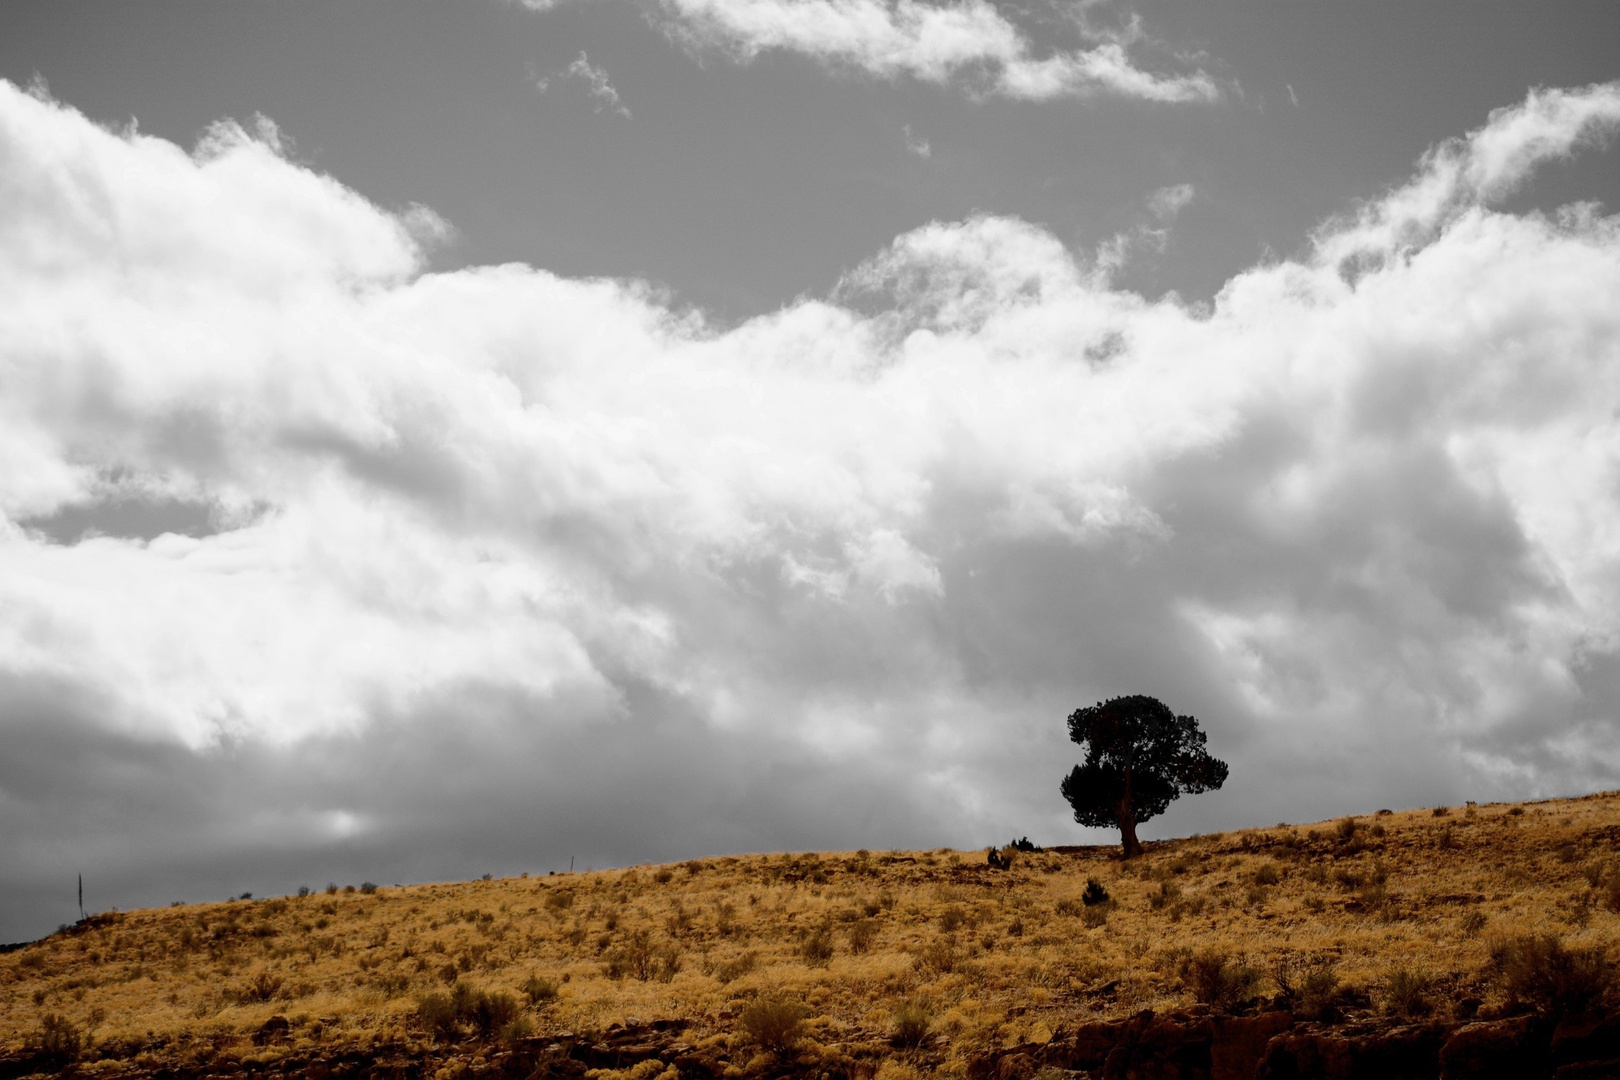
x=1539 y=971
x=1219 y=981
x=368 y=888
x=862 y=932
x=912 y=1022
x=1346 y=829
x=1094 y=893
x=775 y=1024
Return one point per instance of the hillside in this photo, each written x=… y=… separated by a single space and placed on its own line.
x=847 y=964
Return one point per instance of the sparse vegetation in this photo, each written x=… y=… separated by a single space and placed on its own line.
x=906 y=950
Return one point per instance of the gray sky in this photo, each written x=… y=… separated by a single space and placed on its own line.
x=444 y=438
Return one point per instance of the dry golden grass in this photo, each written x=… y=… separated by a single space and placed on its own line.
x=1401 y=909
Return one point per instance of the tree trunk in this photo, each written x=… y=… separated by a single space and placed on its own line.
x=1127 y=834
x=1126 y=812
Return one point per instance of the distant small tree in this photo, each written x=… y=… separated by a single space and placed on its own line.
x=1139 y=758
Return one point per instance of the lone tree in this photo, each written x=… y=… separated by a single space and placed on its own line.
x=1139 y=758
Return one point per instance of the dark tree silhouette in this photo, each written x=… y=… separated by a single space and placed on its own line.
x=1139 y=758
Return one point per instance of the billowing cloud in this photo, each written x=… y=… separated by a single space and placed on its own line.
x=968 y=42
x=311 y=557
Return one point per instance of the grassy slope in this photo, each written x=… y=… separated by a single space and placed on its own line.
x=995 y=957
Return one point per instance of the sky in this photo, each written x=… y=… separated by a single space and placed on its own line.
x=443 y=438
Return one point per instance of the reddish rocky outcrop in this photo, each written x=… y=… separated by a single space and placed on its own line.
x=1190 y=1045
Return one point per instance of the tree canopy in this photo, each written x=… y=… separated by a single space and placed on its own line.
x=1140 y=757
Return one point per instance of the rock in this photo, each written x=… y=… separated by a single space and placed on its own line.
x=1355 y=1053
x=1589 y=1037
x=1240 y=1042
x=1496 y=1050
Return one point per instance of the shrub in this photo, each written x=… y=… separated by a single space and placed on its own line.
x=912 y=1022
x=439 y=1014
x=938 y=958
x=1346 y=829
x=952 y=918
x=1220 y=982
x=639 y=958
x=445 y=1016
x=59 y=1040
x=368 y=887
x=515 y=1031
x=1538 y=970
x=1094 y=893
x=539 y=990
x=736 y=968
x=1267 y=874
x=817 y=949
x=492 y=1012
x=775 y=1024
x=1406 y=993
x=861 y=934
x=262 y=987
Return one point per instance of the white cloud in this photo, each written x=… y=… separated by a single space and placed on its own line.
x=596 y=84
x=916 y=145
x=1163 y=206
x=923 y=518
x=968 y=41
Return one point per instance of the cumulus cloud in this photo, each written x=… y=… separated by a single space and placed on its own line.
x=296 y=536
x=596 y=84
x=968 y=42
